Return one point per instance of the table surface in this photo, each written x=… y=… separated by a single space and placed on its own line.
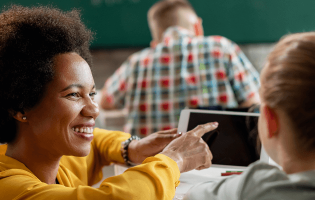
x=191 y=178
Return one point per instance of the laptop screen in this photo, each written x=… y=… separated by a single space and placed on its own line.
x=234 y=142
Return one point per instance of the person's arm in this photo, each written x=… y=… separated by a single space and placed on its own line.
x=115 y=88
x=243 y=77
x=156 y=179
x=106 y=148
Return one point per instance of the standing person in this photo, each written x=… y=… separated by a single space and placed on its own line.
x=182 y=68
x=47 y=118
x=286 y=130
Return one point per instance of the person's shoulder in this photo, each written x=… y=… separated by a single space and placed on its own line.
x=263 y=181
x=218 y=40
x=261 y=170
x=11 y=165
x=14 y=178
x=259 y=179
x=141 y=53
x=9 y=170
x=134 y=59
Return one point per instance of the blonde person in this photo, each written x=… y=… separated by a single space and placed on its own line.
x=182 y=68
x=286 y=130
x=47 y=118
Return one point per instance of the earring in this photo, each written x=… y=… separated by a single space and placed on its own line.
x=24 y=118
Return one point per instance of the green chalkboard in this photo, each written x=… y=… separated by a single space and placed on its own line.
x=123 y=23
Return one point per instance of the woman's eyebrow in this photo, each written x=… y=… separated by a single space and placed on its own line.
x=73 y=85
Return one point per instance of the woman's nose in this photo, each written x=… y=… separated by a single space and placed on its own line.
x=91 y=109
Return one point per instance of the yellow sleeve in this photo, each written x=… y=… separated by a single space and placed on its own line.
x=3 y=149
x=156 y=179
x=105 y=149
x=106 y=145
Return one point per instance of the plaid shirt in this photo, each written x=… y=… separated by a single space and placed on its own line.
x=155 y=84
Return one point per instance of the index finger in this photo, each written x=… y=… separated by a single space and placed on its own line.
x=170 y=131
x=200 y=130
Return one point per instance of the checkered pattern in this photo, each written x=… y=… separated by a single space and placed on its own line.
x=154 y=85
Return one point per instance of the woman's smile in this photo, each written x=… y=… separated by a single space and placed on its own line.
x=84 y=131
x=66 y=115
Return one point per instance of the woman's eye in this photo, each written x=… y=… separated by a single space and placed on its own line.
x=75 y=94
x=92 y=94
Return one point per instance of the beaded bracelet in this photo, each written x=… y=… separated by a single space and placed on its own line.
x=124 y=150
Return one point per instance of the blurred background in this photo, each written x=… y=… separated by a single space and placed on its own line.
x=121 y=28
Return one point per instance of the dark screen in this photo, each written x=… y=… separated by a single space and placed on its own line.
x=234 y=142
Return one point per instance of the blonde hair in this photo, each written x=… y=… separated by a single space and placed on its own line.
x=166 y=13
x=289 y=84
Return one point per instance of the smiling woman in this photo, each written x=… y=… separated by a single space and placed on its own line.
x=47 y=118
x=70 y=98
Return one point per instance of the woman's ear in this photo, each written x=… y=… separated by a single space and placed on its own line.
x=272 y=120
x=19 y=116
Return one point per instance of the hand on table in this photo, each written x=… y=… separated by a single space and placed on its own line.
x=190 y=151
x=151 y=145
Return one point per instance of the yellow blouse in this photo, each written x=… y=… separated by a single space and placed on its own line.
x=156 y=178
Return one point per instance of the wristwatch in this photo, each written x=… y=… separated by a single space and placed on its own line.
x=124 y=150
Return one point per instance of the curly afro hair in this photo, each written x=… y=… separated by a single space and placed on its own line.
x=29 y=40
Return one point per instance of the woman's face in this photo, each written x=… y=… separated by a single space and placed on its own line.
x=62 y=123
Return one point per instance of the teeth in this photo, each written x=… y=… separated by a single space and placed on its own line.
x=83 y=130
x=89 y=135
